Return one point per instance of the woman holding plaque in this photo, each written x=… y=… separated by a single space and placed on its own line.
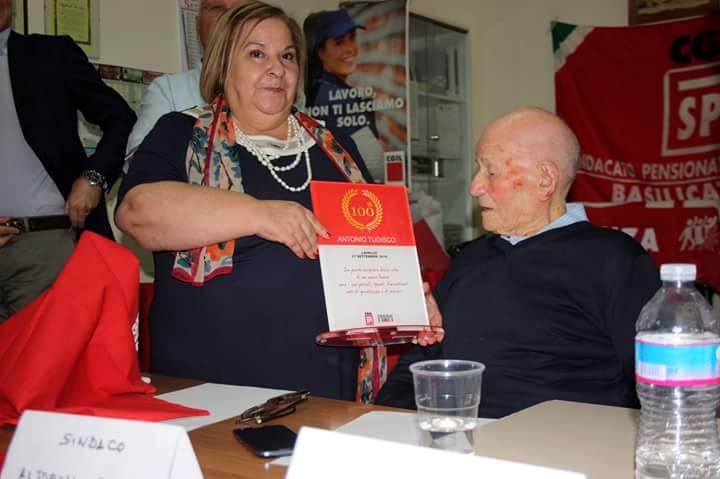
x=221 y=196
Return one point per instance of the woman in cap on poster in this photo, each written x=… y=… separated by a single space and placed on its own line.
x=332 y=58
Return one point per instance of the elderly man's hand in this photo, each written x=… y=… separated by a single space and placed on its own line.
x=7 y=233
x=435 y=317
x=83 y=198
x=291 y=224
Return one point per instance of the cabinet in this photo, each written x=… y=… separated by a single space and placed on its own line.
x=440 y=149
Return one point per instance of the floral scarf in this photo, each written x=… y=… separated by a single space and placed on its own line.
x=211 y=160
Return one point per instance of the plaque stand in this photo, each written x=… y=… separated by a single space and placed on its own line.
x=374 y=336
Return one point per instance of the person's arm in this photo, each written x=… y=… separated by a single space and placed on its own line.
x=161 y=211
x=156 y=103
x=173 y=216
x=398 y=390
x=638 y=285
x=434 y=318
x=102 y=106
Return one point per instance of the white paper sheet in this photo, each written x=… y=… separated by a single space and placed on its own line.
x=222 y=400
x=398 y=427
x=321 y=454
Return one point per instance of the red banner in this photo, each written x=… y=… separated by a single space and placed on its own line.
x=670 y=233
x=644 y=102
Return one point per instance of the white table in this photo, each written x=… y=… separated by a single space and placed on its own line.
x=598 y=441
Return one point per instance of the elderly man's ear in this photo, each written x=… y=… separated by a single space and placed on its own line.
x=548 y=179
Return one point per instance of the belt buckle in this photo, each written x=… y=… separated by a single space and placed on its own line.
x=20 y=223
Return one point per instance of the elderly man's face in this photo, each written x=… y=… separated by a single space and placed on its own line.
x=210 y=12
x=505 y=186
x=5 y=13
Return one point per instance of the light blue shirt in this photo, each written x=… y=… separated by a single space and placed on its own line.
x=168 y=93
x=574 y=213
x=26 y=189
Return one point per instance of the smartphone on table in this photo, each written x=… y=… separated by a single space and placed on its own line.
x=267 y=441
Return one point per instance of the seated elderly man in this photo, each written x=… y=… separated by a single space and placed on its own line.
x=549 y=302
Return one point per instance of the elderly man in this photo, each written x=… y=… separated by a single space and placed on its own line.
x=179 y=91
x=549 y=302
x=47 y=182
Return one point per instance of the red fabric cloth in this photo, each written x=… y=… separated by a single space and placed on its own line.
x=147 y=291
x=72 y=349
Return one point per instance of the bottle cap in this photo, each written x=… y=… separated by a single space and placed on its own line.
x=678 y=272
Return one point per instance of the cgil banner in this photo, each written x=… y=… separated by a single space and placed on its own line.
x=357 y=80
x=645 y=104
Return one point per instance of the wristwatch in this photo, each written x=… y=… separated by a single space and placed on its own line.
x=95 y=178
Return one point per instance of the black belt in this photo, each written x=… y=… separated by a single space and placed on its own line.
x=28 y=224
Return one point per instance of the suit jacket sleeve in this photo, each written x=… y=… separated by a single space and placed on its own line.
x=100 y=105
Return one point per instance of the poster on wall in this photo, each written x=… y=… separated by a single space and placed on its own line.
x=130 y=83
x=357 y=80
x=645 y=104
x=19 y=16
x=80 y=19
x=190 y=47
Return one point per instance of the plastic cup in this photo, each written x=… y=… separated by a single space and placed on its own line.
x=447 y=395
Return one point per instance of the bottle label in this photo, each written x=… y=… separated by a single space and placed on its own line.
x=677 y=364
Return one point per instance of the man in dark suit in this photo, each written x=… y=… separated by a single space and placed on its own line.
x=47 y=182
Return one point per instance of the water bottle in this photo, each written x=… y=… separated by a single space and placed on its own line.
x=676 y=369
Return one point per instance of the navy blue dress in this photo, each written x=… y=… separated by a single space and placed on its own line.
x=257 y=325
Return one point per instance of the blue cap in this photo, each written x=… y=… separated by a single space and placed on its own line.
x=334 y=24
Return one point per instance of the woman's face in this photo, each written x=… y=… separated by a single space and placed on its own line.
x=339 y=55
x=263 y=76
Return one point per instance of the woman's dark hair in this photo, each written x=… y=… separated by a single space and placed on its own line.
x=314 y=65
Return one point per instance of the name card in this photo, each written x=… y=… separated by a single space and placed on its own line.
x=321 y=454
x=68 y=446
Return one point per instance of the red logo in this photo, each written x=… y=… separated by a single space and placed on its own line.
x=369 y=320
x=691 y=122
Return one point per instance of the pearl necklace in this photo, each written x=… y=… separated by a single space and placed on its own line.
x=295 y=135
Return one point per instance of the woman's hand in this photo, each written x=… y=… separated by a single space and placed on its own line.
x=291 y=224
x=435 y=317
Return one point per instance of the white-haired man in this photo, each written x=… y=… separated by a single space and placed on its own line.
x=549 y=302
